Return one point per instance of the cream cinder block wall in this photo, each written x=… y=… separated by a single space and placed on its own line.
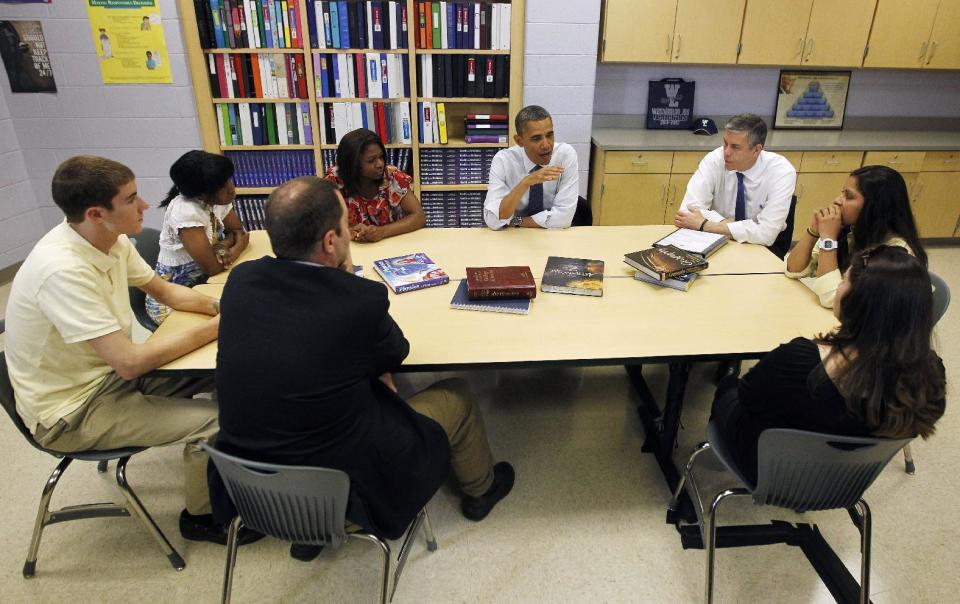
x=560 y=68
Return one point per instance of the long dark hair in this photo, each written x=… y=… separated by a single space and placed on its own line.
x=198 y=173
x=891 y=378
x=351 y=147
x=886 y=211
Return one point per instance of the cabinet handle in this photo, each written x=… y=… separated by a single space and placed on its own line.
x=800 y=44
x=799 y=191
x=933 y=49
x=895 y=162
x=679 y=41
x=639 y=163
x=663 y=195
x=923 y=51
x=832 y=162
x=813 y=45
x=918 y=191
x=950 y=161
x=669 y=45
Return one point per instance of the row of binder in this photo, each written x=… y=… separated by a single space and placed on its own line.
x=249 y=23
x=260 y=76
x=269 y=168
x=453 y=208
x=264 y=124
x=250 y=211
x=361 y=75
x=474 y=76
x=455 y=166
x=378 y=25
x=467 y=25
x=391 y=121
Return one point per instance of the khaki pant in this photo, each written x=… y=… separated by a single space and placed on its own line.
x=147 y=412
x=449 y=404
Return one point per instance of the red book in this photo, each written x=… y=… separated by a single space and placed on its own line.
x=301 y=76
x=241 y=78
x=500 y=282
x=381 y=122
x=221 y=76
x=360 y=61
x=257 y=84
x=291 y=77
x=488 y=116
x=237 y=18
x=424 y=10
x=296 y=27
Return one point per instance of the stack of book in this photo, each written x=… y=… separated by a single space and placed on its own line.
x=264 y=124
x=666 y=266
x=397 y=156
x=473 y=76
x=391 y=121
x=257 y=76
x=472 y=25
x=507 y=289
x=250 y=23
x=462 y=209
x=249 y=209
x=486 y=128
x=269 y=168
x=361 y=75
x=455 y=166
x=376 y=24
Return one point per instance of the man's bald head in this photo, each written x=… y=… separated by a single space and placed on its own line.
x=298 y=214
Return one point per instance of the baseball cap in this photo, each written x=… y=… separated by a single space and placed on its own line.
x=704 y=125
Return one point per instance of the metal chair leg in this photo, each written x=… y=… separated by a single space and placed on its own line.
x=232 y=543
x=428 y=532
x=711 y=541
x=102 y=466
x=908 y=460
x=43 y=514
x=172 y=555
x=683 y=475
x=386 y=595
x=865 y=531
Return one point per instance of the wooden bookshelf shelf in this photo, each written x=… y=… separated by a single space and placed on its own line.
x=266 y=147
x=259 y=100
x=329 y=99
x=469 y=187
x=359 y=51
x=460 y=144
x=388 y=146
x=254 y=190
x=462 y=100
x=233 y=51
x=460 y=51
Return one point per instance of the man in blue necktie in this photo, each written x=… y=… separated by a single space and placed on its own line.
x=740 y=190
x=536 y=183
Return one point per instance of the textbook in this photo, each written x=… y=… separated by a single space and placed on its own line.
x=577 y=276
x=500 y=282
x=410 y=272
x=461 y=301
x=697 y=242
x=681 y=282
x=666 y=262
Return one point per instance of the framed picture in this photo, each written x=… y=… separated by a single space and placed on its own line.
x=811 y=100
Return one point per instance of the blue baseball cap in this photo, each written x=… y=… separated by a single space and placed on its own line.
x=704 y=125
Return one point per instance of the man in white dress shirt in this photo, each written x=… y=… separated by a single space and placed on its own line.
x=740 y=190
x=535 y=184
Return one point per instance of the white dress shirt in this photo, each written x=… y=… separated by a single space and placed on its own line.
x=511 y=165
x=768 y=186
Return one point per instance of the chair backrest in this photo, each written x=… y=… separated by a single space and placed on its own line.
x=781 y=244
x=804 y=471
x=9 y=403
x=583 y=216
x=147 y=242
x=294 y=503
x=941 y=296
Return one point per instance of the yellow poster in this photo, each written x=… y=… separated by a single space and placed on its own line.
x=128 y=36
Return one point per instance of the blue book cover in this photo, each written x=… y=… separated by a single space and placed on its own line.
x=217 y=24
x=405 y=74
x=327 y=36
x=451 y=24
x=345 y=41
x=267 y=40
x=335 y=23
x=461 y=301
x=312 y=24
x=410 y=272
x=255 y=122
x=384 y=76
x=323 y=74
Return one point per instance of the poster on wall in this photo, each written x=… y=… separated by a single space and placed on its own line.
x=128 y=36
x=811 y=99
x=25 y=57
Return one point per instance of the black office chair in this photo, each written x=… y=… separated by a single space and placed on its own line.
x=782 y=243
x=46 y=517
x=147 y=243
x=584 y=215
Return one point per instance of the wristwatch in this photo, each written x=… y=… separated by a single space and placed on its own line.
x=828 y=245
x=516 y=221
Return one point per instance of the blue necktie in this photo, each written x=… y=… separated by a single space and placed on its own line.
x=535 y=199
x=741 y=211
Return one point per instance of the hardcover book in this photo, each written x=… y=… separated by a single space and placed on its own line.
x=697 y=242
x=462 y=301
x=573 y=276
x=410 y=272
x=500 y=282
x=681 y=282
x=665 y=262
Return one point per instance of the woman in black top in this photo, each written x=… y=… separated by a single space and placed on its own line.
x=875 y=375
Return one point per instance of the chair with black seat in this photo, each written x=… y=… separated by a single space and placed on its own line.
x=584 y=214
x=800 y=471
x=46 y=517
x=941 y=300
x=147 y=242
x=781 y=245
x=300 y=504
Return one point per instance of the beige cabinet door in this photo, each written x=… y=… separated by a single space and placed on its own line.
x=633 y=199
x=838 y=32
x=936 y=207
x=707 y=31
x=814 y=191
x=638 y=30
x=774 y=31
x=901 y=33
x=944 y=51
x=675 y=193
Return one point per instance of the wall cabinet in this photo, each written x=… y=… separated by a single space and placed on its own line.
x=665 y=31
x=918 y=34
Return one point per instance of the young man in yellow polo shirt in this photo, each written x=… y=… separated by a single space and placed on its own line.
x=77 y=375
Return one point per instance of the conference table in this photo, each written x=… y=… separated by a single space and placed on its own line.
x=740 y=307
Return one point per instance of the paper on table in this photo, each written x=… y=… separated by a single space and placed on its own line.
x=690 y=240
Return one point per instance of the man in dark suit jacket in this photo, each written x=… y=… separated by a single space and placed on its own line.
x=303 y=377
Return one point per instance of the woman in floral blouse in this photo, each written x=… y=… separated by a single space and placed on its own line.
x=379 y=200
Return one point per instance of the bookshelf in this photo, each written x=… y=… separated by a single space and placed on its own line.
x=210 y=103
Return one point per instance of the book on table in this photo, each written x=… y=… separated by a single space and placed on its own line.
x=696 y=242
x=462 y=301
x=409 y=272
x=680 y=282
x=666 y=262
x=500 y=282
x=578 y=276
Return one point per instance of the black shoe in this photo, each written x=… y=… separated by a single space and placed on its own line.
x=726 y=369
x=203 y=528
x=305 y=552
x=477 y=508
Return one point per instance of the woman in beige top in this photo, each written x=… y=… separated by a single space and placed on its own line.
x=872 y=209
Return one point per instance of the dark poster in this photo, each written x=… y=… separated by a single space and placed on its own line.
x=25 y=57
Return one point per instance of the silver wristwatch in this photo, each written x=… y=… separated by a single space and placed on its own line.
x=827 y=244
x=516 y=221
